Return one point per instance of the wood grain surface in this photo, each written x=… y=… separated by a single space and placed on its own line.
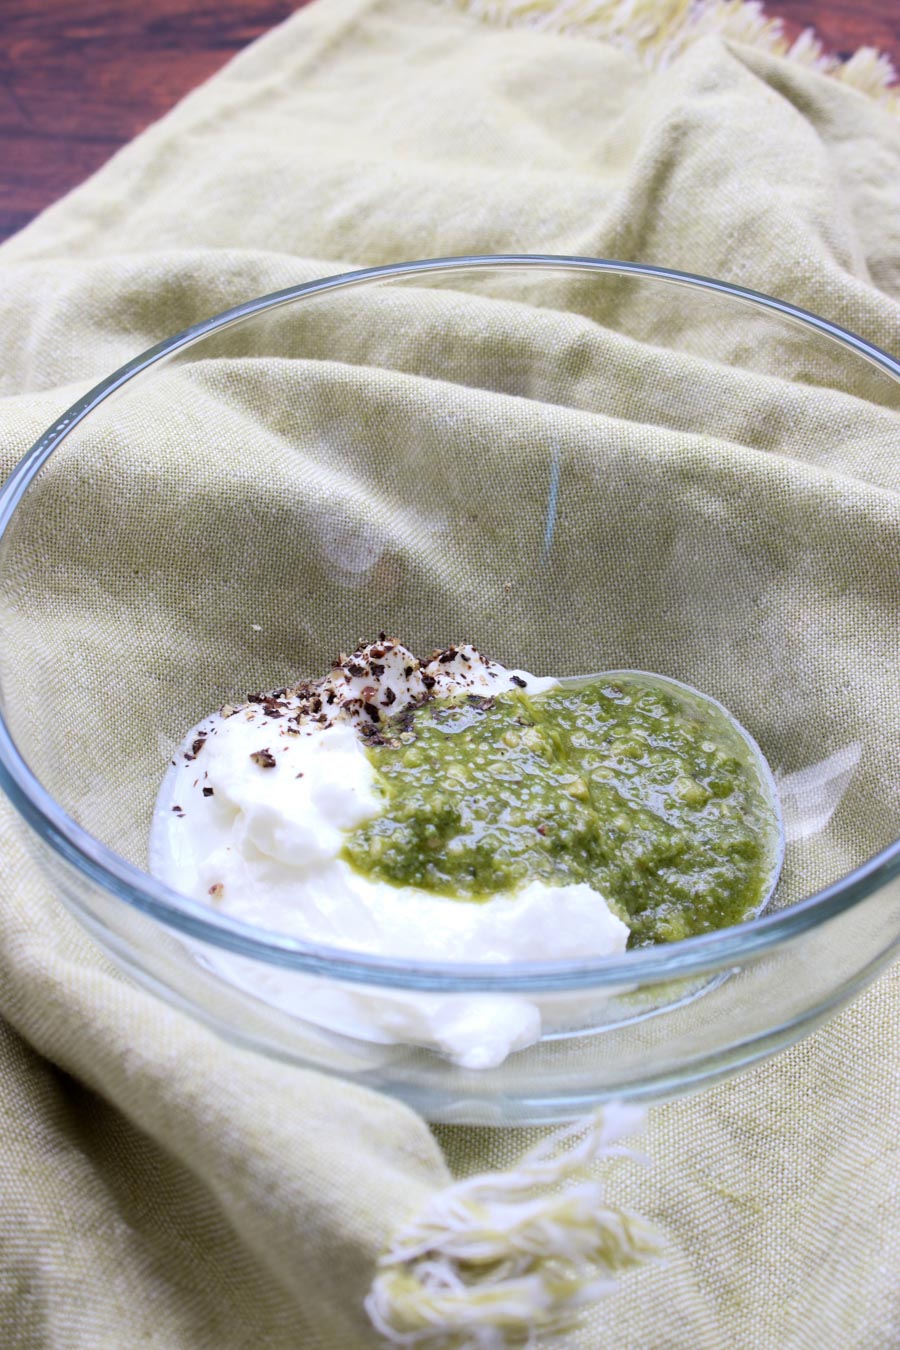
x=79 y=78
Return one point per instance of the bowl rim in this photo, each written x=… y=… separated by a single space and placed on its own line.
x=117 y=877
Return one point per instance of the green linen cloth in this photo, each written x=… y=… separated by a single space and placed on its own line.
x=160 y=1188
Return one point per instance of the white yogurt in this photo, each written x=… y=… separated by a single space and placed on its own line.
x=251 y=818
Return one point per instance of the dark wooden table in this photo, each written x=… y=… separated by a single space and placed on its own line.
x=79 y=78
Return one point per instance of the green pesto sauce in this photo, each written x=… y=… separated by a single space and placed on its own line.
x=645 y=792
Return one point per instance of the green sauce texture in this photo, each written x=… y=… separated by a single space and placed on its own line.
x=646 y=793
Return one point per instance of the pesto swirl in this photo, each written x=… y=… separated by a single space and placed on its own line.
x=646 y=793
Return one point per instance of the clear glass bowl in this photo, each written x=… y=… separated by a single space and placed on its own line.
x=578 y=465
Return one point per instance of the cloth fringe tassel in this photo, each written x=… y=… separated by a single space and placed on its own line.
x=506 y=1258
x=657 y=31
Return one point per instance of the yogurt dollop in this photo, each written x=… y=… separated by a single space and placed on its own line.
x=253 y=814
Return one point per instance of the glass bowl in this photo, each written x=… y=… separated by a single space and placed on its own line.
x=574 y=463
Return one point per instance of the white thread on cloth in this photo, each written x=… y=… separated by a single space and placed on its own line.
x=658 y=31
x=509 y=1258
